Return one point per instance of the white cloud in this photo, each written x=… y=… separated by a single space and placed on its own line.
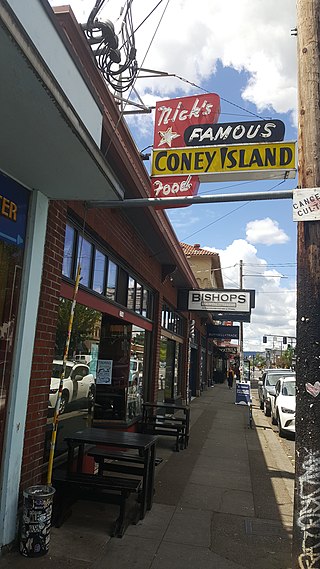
x=275 y=311
x=265 y=231
x=247 y=36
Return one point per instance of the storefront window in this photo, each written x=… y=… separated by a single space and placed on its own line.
x=99 y=272
x=122 y=356
x=136 y=386
x=112 y=280
x=68 y=252
x=169 y=382
x=203 y=368
x=13 y=221
x=79 y=383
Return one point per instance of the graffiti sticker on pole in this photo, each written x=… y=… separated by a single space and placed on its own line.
x=306 y=204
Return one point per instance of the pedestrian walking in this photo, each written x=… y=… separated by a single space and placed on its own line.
x=230 y=378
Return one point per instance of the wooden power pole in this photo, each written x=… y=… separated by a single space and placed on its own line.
x=306 y=530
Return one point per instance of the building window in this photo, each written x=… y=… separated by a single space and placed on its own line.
x=117 y=285
x=112 y=280
x=138 y=298
x=170 y=369
x=68 y=252
x=84 y=257
x=144 y=303
x=99 y=272
x=130 y=295
x=172 y=321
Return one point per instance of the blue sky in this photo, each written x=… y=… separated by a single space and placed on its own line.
x=244 y=52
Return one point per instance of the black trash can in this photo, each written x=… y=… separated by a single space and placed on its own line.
x=36 y=520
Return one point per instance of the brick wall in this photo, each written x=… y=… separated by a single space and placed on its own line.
x=32 y=469
x=114 y=229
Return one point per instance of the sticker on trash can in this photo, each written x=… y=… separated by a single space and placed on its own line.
x=243 y=394
x=36 y=521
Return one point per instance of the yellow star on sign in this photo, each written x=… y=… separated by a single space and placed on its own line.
x=167 y=136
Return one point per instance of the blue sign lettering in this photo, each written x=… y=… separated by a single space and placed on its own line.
x=14 y=200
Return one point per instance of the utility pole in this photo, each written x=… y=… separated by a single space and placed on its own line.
x=241 y=328
x=306 y=530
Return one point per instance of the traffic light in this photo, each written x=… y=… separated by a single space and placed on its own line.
x=264 y=339
x=284 y=339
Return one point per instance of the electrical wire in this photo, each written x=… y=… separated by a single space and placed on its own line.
x=222 y=98
x=134 y=82
x=227 y=214
x=143 y=21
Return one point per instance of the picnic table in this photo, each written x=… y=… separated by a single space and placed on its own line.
x=129 y=456
x=169 y=419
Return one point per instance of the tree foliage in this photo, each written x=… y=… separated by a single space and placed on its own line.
x=285 y=360
x=84 y=322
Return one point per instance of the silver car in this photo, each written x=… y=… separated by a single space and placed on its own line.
x=266 y=386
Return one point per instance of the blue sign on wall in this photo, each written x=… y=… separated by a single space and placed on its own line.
x=14 y=200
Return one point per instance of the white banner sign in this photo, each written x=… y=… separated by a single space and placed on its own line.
x=219 y=300
x=306 y=204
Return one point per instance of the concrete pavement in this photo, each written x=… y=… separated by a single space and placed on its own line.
x=226 y=502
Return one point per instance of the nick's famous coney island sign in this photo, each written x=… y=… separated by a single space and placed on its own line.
x=172 y=118
x=190 y=146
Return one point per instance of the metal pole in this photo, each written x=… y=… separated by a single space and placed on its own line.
x=190 y=200
x=306 y=527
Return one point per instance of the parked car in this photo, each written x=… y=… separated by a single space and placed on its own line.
x=78 y=384
x=266 y=386
x=136 y=370
x=284 y=405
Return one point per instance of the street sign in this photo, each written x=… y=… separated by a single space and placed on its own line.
x=214 y=163
x=306 y=204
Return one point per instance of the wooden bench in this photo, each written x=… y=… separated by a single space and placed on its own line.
x=124 y=462
x=110 y=489
x=100 y=455
x=160 y=425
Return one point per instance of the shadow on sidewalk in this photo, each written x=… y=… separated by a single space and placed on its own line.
x=223 y=503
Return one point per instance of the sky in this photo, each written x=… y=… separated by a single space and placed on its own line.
x=245 y=52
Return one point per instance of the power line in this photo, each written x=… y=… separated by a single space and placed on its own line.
x=134 y=82
x=227 y=214
x=222 y=98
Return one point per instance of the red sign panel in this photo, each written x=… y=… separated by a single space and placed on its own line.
x=172 y=117
x=174 y=187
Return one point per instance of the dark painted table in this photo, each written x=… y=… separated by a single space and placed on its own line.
x=143 y=443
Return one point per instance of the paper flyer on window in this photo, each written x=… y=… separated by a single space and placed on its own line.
x=104 y=372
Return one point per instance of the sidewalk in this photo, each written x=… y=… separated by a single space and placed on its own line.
x=226 y=502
